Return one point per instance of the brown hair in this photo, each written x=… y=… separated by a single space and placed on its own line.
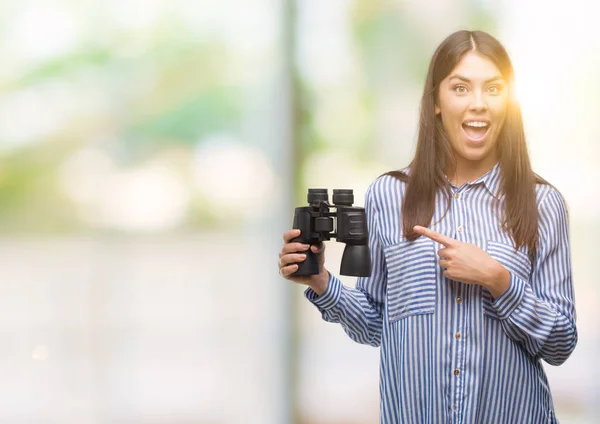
x=434 y=156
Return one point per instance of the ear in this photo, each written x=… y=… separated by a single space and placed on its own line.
x=437 y=110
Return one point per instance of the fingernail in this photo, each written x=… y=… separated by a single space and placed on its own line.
x=306 y=246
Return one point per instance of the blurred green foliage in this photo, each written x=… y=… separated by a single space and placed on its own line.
x=167 y=87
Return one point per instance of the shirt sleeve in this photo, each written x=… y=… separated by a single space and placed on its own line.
x=359 y=310
x=540 y=314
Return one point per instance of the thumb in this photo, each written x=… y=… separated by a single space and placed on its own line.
x=318 y=248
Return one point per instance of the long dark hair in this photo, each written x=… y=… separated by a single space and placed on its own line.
x=434 y=156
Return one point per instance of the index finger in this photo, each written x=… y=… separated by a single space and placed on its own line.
x=289 y=235
x=433 y=235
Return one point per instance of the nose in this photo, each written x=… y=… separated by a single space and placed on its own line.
x=478 y=102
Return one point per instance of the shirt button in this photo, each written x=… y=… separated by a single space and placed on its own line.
x=460 y=228
x=456 y=195
x=454 y=407
x=459 y=299
x=456 y=372
x=457 y=335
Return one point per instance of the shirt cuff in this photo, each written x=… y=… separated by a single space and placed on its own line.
x=508 y=301
x=331 y=296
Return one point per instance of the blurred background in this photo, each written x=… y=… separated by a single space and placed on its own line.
x=151 y=155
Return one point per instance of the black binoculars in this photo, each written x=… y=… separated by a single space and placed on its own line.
x=316 y=224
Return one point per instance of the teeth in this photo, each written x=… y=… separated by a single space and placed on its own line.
x=476 y=124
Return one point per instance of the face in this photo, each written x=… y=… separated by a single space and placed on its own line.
x=472 y=104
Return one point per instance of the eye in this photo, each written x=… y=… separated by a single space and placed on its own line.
x=494 y=89
x=460 y=88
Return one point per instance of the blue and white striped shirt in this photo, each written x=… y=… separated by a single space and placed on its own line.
x=449 y=352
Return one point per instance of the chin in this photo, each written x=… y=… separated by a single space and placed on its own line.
x=475 y=157
x=471 y=156
x=470 y=152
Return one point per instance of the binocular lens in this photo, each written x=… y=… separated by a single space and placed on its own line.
x=343 y=197
x=316 y=195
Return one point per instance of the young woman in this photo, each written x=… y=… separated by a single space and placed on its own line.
x=471 y=284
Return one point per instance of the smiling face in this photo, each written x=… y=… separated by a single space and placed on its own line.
x=472 y=104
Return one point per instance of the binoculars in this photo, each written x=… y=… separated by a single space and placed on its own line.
x=316 y=224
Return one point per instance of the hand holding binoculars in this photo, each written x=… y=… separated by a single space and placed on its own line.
x=316 y=224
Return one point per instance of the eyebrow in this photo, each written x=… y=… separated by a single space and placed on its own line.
x=465 y=79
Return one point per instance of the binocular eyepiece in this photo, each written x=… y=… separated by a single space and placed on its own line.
x=316 y=224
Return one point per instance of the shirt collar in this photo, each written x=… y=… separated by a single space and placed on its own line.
x=491 y=181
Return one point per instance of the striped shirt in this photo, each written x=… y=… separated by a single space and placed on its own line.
x=450 y=353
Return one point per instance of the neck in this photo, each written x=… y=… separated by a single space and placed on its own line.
x=468 y=171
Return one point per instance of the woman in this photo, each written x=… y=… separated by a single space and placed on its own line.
x=463 y=332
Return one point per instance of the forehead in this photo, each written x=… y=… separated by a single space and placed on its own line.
x=475 y=67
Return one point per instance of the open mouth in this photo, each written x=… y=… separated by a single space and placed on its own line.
x=476 y=131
